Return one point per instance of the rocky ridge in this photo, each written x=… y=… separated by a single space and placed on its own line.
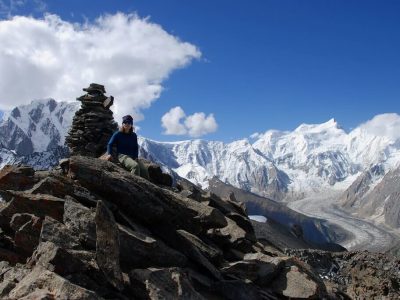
x=91 y=230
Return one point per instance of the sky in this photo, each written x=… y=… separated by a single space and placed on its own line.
x=216 y=70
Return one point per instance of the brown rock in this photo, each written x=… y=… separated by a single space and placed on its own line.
x=16 y=177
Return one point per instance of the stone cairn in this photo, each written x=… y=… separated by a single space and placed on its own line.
x=93 y=124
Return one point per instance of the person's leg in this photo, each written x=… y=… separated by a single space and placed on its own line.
x=129 y=163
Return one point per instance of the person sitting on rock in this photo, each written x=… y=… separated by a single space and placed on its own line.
x=127 y=148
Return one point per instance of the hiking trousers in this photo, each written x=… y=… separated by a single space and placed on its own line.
x=134 y=166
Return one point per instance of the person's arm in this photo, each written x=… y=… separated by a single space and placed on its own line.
x=111 y=142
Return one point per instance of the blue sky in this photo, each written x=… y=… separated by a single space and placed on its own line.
x=265 y=64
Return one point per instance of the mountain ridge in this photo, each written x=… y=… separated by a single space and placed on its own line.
x=282 y=165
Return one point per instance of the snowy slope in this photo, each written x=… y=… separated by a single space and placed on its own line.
x=35 y=133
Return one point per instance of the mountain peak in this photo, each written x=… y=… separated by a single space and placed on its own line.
x=315 y=128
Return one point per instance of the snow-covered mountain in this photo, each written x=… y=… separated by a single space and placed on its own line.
x=281 y=165
x=35 y=133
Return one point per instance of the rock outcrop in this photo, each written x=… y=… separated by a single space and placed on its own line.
x=93 y=124
x=100 y=232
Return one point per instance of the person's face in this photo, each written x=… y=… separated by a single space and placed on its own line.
x=126 y=125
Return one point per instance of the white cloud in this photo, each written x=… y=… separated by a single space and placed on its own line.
x=198 y=124
x=171 y=121
x=49 y=57
x=177 y=123
x=383 y=125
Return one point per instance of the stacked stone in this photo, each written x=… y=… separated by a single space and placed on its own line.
x=93 y=124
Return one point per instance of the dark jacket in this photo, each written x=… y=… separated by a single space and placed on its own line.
x=126 y=144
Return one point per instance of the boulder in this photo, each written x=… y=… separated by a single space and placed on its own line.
x=16 y=177
x=107 y=246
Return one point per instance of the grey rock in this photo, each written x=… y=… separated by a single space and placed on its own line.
x=107 y=246
x=81 y=220
x=59 y=234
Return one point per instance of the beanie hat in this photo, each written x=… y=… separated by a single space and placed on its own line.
x=127 y=119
